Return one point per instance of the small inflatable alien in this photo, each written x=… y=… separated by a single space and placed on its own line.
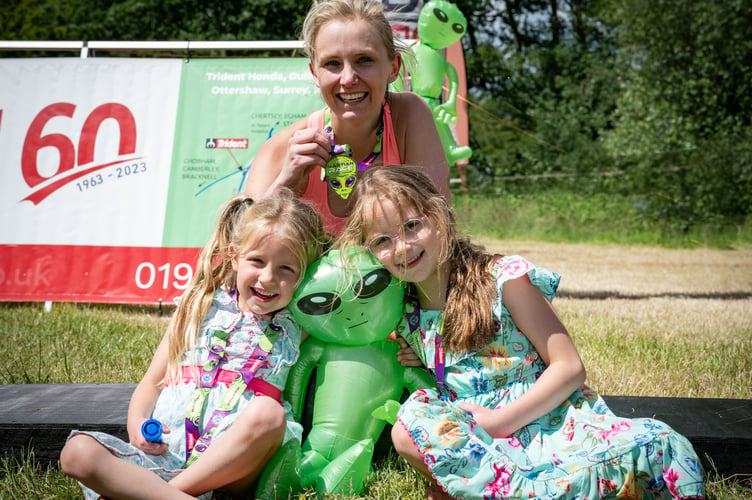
x=348 y=306
x=440 y=24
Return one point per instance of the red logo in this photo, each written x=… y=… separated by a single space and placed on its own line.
x=73 y=162
x=214 y=143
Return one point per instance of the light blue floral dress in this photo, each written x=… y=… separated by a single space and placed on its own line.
x=245 y=331
x=580 y=450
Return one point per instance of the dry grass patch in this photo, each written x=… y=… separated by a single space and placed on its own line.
x=638 y=271
x=663 y=347
x=667 y=322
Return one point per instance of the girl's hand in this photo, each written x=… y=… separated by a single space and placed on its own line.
x=490 y=420
x=142 y=444
x=406 y=356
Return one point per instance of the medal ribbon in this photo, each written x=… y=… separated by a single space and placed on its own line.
x=197 y=442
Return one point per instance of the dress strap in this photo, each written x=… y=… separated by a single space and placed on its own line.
x=391 y=153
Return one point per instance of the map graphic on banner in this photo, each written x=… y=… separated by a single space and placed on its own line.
x=113 y=169
x=228 y=109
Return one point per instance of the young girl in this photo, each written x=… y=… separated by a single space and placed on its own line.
x=510 y=416
x=216 y=378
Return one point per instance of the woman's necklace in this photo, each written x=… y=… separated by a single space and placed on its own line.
x=341 y=171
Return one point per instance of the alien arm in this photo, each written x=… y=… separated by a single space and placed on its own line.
x=417 y=378
x=311 y=352
x=449 y=106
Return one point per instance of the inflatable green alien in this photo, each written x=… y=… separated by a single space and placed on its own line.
x=348 y=306
x=440 y=24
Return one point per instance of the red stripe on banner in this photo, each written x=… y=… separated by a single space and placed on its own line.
x=97 y=274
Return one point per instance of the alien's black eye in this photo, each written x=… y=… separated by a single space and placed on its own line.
x=317 y=304
x=440 y=15
x=372 y=284
x=458 y=28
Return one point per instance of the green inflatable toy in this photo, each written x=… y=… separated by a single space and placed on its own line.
x=348 y=306
x=440 y=24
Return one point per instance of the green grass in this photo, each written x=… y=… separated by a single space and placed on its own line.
x=599 y=218
x=626 y=352
x=627 y=356
x=77 y=343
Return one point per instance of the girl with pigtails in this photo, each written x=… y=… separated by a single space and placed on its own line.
x=216 y=378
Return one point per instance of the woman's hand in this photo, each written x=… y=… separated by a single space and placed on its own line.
x=306 y=149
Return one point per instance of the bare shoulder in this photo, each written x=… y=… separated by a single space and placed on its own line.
x=406 y=104
x=281 y=138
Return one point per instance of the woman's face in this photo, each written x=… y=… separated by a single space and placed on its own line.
x=352 y=68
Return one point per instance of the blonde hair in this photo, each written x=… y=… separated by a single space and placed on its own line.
x=468 y=321
x=371 y=11
x=241 y=223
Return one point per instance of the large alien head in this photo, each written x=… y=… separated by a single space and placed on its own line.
x=440 y=24
x=354 y=305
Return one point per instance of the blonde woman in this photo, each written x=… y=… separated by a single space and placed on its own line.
x=353 y=58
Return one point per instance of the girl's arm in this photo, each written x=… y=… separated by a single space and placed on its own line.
x=144 y=399
x=286 y=159
x=536 y=318
x=418 y=139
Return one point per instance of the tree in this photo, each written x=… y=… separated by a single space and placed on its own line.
x=684 y=107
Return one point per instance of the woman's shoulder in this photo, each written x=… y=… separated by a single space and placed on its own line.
x=405 y=103
x=284 y=135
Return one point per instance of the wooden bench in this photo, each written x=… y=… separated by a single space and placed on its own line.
x=40 y=417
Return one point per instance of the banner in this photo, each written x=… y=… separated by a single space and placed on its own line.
x=113 y=169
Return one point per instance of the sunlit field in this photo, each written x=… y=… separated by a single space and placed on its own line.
x=647 y=321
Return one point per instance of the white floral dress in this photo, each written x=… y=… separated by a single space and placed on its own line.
x=580 y=450
x=245 y=330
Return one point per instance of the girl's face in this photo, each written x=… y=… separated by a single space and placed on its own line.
x=406 y=243
x=352 y=68
x=267 y=274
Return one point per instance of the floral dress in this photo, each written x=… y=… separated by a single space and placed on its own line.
x=245 y=330
x=580 y=450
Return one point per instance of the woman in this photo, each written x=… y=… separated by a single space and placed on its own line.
x=353 y=58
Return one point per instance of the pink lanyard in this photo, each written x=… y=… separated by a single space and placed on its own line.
x=413 y=319
x=197 y=442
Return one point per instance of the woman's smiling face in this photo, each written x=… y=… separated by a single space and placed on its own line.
x=352 y=68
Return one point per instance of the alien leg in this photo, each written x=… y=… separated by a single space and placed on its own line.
x=281 y=476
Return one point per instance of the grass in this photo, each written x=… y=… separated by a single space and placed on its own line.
x=672 y=315
x=560 y=216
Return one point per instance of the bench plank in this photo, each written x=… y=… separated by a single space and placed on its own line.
x=40 y=416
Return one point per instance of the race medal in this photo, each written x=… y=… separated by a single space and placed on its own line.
x=341 y=174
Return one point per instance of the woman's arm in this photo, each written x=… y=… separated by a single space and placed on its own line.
x=144 y=399
x=418 y=140
x=536 y=318
x=286 y=159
